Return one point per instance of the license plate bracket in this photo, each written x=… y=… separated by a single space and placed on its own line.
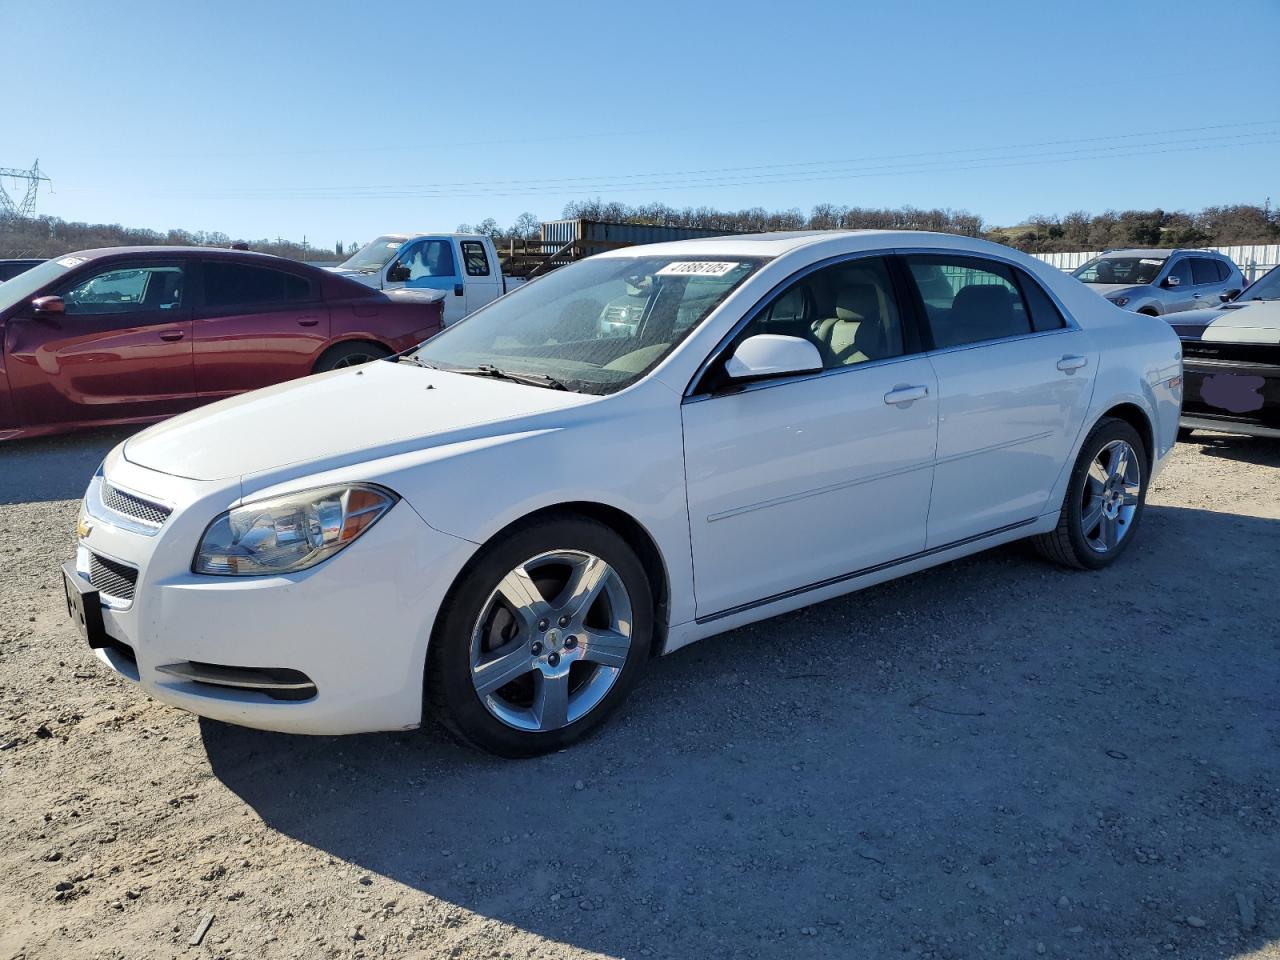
x=84 y=606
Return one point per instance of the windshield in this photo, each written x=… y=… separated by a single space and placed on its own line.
x=27 y=283
x=596 y=326
x=1267 y=287
x=1127 y=270
x=372 y=257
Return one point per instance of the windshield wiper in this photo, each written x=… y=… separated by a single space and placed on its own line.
x=528 y=379
x=409 y=358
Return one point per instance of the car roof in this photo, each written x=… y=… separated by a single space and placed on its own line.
x=783 y=242
x=163 y=250
x=1161 y=251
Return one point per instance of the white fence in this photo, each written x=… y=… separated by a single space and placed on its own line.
x=1253 y=261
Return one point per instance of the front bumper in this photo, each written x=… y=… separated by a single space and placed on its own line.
x=355 y=627
x=1233 y=396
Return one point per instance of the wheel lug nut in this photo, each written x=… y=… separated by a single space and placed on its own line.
x=571 y=643
x=554 y=659
x=564 y=621
x=537 y=649
x=542 y=624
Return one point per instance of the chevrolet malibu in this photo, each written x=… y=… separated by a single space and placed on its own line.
x=502 y=526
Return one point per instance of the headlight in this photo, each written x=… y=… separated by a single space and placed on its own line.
x=289 y=533
x=1119 y=301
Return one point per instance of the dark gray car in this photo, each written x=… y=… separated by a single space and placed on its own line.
x=1158 y=282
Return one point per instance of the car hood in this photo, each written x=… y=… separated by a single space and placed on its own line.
x=1256 y=321
x=330 y=419
x=1116 y=289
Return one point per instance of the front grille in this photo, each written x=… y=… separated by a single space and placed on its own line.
x=136 y=507
x=112 y=578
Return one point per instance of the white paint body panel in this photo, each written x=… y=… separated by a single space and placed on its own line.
x=808 y=480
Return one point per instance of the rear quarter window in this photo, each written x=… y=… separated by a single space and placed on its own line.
x=234 y=284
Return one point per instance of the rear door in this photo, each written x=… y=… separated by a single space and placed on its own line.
x=482 y=279
x=121 y=351
x=1014 y=383
x=255 y=325
x=1206 y=282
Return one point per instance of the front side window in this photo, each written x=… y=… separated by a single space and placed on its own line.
x=430 y=258
x=136 y=288
x=847 y=310
x=968 y=299
x=595 y=326
x=237 y=284
x=475 y=259
x=1182 y=270
x=1127 y=270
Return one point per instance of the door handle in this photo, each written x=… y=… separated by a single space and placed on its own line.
x=1071 y=363
x=171 y=336
x=308 y=322
x=905 y=395
x=458 y=290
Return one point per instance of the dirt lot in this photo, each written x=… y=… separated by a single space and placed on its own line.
x=994 y=758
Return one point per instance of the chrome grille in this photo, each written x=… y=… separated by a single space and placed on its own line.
x=114 y=579
x=131 y=506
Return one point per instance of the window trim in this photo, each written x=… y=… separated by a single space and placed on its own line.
x=205 y=310
x=484 y=254
x=913 y=346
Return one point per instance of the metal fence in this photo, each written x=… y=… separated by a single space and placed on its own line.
x=1253 y=259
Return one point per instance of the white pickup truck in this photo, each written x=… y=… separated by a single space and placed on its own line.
x=464 y=265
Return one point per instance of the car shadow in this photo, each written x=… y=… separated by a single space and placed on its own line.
x=972 y=760
x=1262 y=451
x=54 y=468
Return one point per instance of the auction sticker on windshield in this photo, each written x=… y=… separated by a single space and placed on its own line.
x=697 y=268
x=70 y=262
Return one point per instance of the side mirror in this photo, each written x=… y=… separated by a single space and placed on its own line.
x=772 y=355
x=398 y=273
x=1171 y=282
x=1228 y=295
x=48 y=306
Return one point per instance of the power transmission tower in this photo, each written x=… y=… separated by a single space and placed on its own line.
x=11 y=208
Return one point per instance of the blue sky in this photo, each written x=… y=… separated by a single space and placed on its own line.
x=338 y=122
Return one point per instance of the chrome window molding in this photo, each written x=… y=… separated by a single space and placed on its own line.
x=690 y=396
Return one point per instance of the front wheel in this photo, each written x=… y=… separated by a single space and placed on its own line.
x=1105 y=499
x=541 y=639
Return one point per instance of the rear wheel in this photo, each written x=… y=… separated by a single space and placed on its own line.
x=350 y=355
x=1105 y=498
x=541 y=639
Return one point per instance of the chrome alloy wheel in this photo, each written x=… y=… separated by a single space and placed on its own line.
x=551 y=640
x=1110 y=497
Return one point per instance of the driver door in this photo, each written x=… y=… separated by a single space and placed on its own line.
x=428 y=263
x=121 y=350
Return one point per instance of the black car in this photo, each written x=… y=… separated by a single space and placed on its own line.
x=1231 y=363
x=11 y=268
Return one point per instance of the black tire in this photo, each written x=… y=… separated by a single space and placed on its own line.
x=1184 y=434
x=350 y=355
x=450 y=693
x=1066 y=544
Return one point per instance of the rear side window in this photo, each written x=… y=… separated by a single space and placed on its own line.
x=1204 y=270
x=475 y=259
x=968 y=299
x=1224 y=272
x=1044 y=312
x=227 y=284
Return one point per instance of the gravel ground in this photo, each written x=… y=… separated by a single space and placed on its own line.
x=992 y=758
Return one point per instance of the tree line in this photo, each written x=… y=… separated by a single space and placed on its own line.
x=51 y=236
x=1213 y=226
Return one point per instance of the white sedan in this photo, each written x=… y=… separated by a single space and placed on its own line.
x=503 y=526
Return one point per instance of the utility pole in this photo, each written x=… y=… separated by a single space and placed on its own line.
x=27 y=207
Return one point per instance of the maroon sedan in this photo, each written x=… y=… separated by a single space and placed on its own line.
x=134 y=334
